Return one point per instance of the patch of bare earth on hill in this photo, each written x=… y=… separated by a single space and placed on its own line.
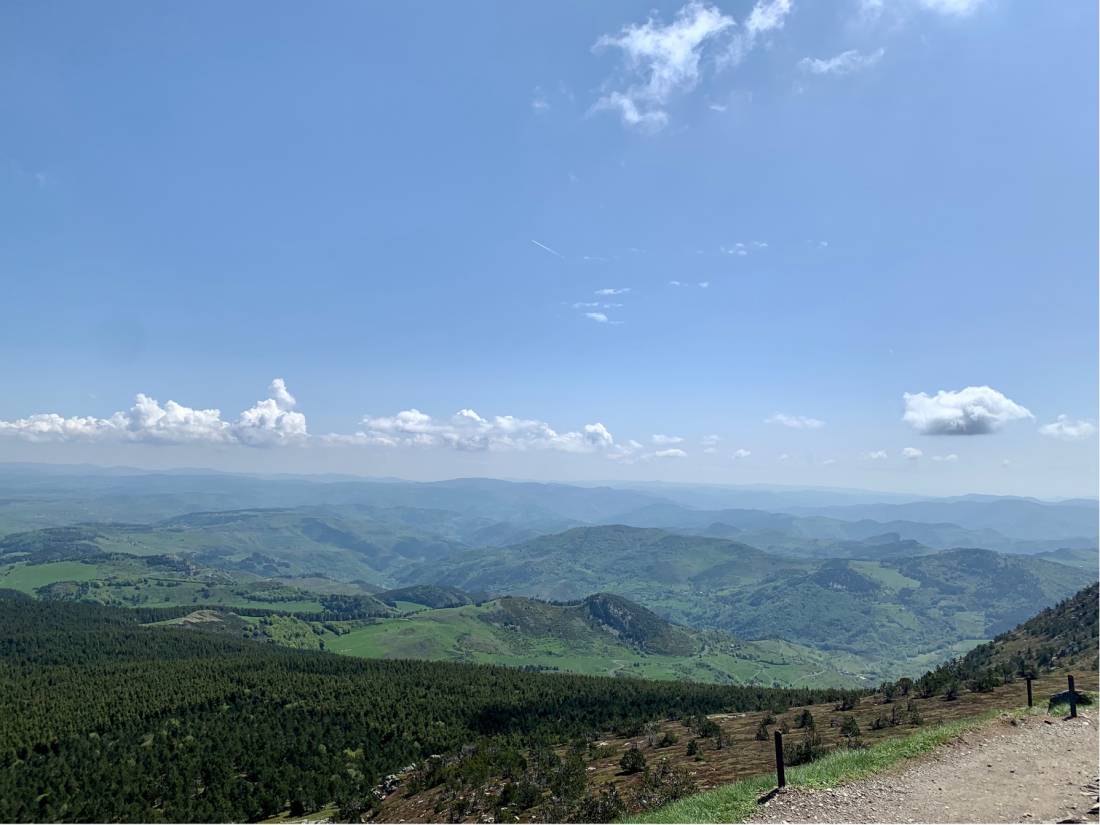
x=1036 y=769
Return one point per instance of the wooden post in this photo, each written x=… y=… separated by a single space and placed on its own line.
x=1030 y=701
x=1072 y=700
x=780 y=772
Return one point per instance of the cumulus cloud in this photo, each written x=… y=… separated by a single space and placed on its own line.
x=878 y=455
x=1067 y=429
x=844 y=63
x=468 y=431
x=828 y=462
x=950 y=458
x=673 y=452
x=598 y=317
x=795 y=422
x=742 y=453
x=269 y=422
x=662 y=440
x=969 y=411
x=622 y=290
x=911 y=453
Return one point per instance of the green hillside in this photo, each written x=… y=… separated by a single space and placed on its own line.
x=600 y=635
x=895 y=615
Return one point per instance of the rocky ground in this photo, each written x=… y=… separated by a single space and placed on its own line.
x=1038 y=769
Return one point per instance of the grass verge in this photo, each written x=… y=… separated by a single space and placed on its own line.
x=738 y=801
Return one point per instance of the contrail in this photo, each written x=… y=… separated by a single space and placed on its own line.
x=548 y=249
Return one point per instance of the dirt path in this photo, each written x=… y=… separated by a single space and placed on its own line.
x=1038 y=770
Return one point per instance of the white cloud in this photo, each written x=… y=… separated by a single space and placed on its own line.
x=950 y=458
x=737 y=249
x=704 y=284
x=661 y=61
x=795 y=422
x=742 y=453
x=766 y=16
x=269 y=422
x=829 y=461
x=1068 y=430
x=662 y=440
x=674 y=283
x=784 y=457
x=598 y=317
x=468 y=431
x=539 y=102
x=710 y=443
x=670 y=453
x=878 y=455
x=969 y=411
x=844 y=63
x=911 y=453
x=613 y=290
x=957 y=8
x=585 y=304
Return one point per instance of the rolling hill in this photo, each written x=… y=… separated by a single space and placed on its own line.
x=896 y=614
x=602 y=634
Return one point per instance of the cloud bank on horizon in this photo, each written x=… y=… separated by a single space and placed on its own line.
x=275 y=422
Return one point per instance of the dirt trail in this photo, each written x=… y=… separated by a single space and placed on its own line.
x=1040 y=769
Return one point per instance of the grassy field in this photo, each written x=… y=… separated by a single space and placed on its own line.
x=464 y=634
x=28 y=578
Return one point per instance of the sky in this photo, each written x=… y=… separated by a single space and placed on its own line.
x=832 y=244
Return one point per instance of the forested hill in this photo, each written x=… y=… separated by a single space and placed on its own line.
x=1064 y=636
x=107 y=720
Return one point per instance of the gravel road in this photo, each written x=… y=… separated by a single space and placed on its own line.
x=1038 y=769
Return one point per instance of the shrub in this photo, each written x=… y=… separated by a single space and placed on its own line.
x=607 y=806
x=847 y=703
x=663 y=784
x=633 y=761
x=808 y=749
x=762 y=732
x=849 y=729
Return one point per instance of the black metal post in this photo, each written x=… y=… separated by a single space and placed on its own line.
x=780 y=772
x=1030 y=701
x=1072 y=700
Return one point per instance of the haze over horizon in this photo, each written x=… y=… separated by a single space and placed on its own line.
x=842 y=245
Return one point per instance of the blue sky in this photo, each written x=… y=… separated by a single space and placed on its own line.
x=416 y=206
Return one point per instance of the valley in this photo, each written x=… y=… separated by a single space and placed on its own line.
x=820 y=599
